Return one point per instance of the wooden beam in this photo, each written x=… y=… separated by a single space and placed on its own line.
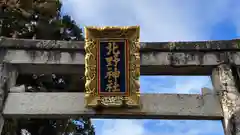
x=154 y=106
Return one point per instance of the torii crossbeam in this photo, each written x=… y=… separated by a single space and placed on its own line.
x=219 y=59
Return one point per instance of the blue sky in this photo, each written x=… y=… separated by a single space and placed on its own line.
x=162 y=20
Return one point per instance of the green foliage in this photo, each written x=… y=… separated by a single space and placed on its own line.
x=37 y=19
x=238 y=44
x=40 y=19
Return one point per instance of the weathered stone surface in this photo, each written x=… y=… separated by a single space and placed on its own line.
x=3 y=91
x=8 y=76
x=152 y=63
x=164 y=106
x=43 y=57
x=173 y=58
x=3 y=83
x=225 y=45
x=157 y=58
x=11 y=43
x=225 y=86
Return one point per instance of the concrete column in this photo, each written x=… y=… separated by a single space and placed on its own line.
x=225 y=86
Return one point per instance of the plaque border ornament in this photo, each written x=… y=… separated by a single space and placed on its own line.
x=92 y=36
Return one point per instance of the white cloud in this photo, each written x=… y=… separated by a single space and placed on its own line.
x=159 y=20
x=157 y=84
x=192 y=84
x=156 y=127
x=122 y=127
x=181 y=127
x=174 y=84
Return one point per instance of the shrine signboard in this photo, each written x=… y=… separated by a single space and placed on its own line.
x=112 y=66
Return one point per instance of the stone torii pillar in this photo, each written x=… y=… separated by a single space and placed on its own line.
x=225 y=86
x=8 y=76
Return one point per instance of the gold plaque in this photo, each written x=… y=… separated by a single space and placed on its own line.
x=112 y=66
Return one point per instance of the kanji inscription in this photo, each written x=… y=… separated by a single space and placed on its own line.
x=112 y=66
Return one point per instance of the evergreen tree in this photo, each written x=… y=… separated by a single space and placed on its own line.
x=37 y=19
x=41 y=19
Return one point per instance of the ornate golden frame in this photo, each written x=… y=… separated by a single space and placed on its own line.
x=92 y=36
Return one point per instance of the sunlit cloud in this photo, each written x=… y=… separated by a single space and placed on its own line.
x=160 y=20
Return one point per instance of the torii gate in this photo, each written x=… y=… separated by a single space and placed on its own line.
x=219 y=59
